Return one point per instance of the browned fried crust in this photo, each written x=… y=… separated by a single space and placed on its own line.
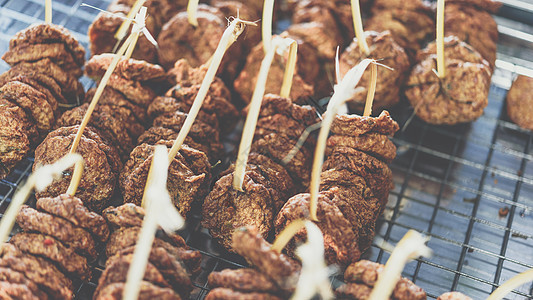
x=375 y=144
x=44 y=89
x=107 y=125
x=169 y=105
x=12 y=113
x=74 y=237
x=386 y=51
x=72 y=209
x=126 y=215
x=242 y=280
x=353 y=291
x=356 y=202
x=14 y=136
x=179 y=39
x=340 y=242
x=272 y=175
x=134 y=91
x=274 y=104
x=519 y=107
x=189 y=175
x=125 y=117
x=52 y=249
x=281 y=269
x=148 y=291
x=71 y=88
x=113 y=97
x=226 y=209
x=32 y=52
x=377 y=174
x=10 y=290
x=117 y=270
x=32 y=101
x=367 y=272
x=38 y=270
x=127 y=236
x=99 y=177
x=157 y=134
x=245 y=83
x=183 y=75
x=200 y=132
x=277 y=146
x=226 y=294
x=354 y=125
x=131 y=69
x=170 y=266
x=47 y=34
x=11 y=276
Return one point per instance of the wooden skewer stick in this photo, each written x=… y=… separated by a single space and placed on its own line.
x=411 y=246
x=76 y=178
x=286 y=234
x=266 y=29
x=99 y=91
x=192 y=8
x=159 y=211
x=253 y=113
x=230 y=35
x=371 y=91
x=39 y=179
x=48 y=11
x=136 y=32
x=358 y=27
x=124 y=27
x=511 y=284
x=289 y=70
x=441 y=66
x=343 y=92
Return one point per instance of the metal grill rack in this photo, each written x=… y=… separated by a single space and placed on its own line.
x=450 y=181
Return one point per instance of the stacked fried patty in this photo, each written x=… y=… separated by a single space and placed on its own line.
x=190 y=171
x=410 y=22
x=57 y=241
x=360 y=278
x=272 y=275
x=384 y=49
x=46 y=63
x=170 y=264
x=354 y=187
x=117 y=121
x=461 y=96
x=267 y=181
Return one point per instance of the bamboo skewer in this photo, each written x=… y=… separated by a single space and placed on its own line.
x=159 y=209
x=266 y=29
x=78 y=169
x=192 y=9
x=123 y=29
x=511 y=284
x=253 y=114
x=343 y=93
x=48 y=11
x=358 y=27
x=441 y=66
x=289 y=70
x=371 y=91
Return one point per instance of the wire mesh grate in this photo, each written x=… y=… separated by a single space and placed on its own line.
x=450 y=181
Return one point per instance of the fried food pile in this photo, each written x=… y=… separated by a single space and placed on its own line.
x=272 y=275
x=58 y=240
x=46 y=63
x=268 y=183
x=360 y=278
x=170 y=265
x=354 y=187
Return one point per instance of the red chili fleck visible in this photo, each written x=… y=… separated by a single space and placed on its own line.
x=502 y=212
x=48 y=242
